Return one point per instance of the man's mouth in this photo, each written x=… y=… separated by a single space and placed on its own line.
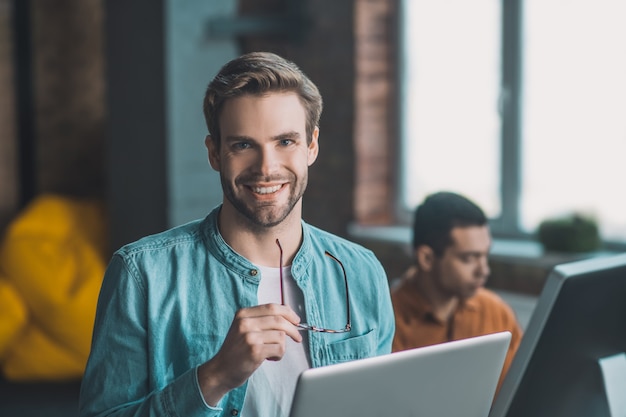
x=266 y=190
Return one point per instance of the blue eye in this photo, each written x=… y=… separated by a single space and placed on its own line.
x=239 y=146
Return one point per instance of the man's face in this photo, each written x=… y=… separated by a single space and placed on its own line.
x=264 y=157
x=463 y=267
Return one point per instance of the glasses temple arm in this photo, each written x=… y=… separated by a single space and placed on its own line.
x=345 y=279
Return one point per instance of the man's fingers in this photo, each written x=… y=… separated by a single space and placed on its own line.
x=267 y=318
x=272 y=327
x=265 y=337
x=266 y=345
x=269 y=310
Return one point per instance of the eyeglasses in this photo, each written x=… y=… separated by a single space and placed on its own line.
x=305 y=326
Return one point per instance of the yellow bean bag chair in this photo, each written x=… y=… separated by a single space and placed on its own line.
x=52 y=260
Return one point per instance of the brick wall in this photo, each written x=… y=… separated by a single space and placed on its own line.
x=375 y=132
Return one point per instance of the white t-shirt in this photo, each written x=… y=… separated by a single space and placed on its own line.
x=281 y=375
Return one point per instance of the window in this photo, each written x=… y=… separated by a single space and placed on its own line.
x=518 y=105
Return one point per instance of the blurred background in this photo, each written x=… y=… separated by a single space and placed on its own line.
x=517 y=104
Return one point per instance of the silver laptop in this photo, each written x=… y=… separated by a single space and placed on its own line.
x=453 y=379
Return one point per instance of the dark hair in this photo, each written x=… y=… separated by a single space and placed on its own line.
x=438 y=214
x=259 y=73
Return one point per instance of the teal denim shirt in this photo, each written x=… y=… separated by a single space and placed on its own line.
x=168 y=300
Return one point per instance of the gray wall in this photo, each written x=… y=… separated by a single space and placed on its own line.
x=192 y=59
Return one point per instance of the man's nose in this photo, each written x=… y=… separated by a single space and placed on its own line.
x=483 y=267
x=267 y=160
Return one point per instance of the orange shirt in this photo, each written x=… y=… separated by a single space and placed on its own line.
x=484 y=313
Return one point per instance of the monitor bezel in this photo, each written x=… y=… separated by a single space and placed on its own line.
x=539 y=318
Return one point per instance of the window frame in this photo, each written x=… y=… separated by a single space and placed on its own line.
x=505 y=226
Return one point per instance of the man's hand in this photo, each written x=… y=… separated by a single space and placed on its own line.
x=256 y=334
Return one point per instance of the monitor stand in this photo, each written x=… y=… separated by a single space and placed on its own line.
x=614 y=376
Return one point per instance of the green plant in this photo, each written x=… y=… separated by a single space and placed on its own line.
x=572 y=233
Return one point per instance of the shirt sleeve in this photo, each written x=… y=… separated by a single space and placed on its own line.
x=118 y=380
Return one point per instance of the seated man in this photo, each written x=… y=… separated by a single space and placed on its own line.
x=442 y=296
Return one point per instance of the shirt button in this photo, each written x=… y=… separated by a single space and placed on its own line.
x=253 y=272
x=234 y=412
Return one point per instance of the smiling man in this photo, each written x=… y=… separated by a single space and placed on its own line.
x=219 y=316
x=442 y=296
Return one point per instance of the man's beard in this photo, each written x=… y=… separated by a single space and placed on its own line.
x=264 y=214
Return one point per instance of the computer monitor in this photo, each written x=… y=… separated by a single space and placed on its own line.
x=571 y=361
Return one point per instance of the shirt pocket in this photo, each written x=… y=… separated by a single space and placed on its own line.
x=359 y=347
